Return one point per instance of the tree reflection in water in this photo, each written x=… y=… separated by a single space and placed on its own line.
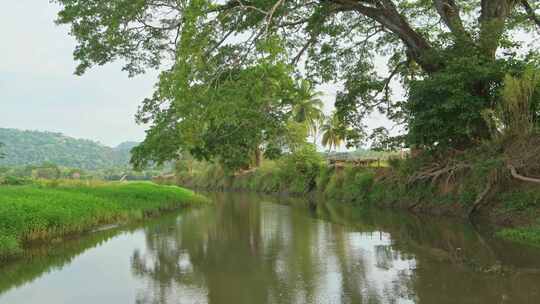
x=243 y=251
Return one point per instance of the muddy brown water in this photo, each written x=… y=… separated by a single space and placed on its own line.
x=255 y=250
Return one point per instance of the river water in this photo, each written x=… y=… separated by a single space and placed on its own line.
x=256 y=250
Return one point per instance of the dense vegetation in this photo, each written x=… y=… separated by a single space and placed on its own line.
x=23 y=148
x=395 y=183
x=48 y=210
x=237 y=77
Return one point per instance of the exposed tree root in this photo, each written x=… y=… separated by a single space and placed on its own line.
x=434 y=173
x=480 y=199
x=516 y=175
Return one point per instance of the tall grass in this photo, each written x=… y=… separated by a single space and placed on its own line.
x=515 y=115
x=49 y=210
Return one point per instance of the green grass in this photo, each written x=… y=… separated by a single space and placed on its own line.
x=525 y=235
x=45 y=211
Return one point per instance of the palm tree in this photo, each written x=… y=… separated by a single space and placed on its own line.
x=331 y=133
x=308 y=107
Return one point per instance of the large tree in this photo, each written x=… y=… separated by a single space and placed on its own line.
x=447 y=53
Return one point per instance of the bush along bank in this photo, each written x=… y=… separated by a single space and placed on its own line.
x=48 y=210
x=469 y=185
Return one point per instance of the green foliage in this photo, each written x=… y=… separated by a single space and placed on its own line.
x=295 y=172
x=49 y=210
x=527 y=235
x=267 y=178
x=333 y=188
x=360 y=186
x=228 y=85
x=352 y=184
x=14 y=181
x=444 y=109
x=523 y=200
x=227 y=119
x=332 y=136
x=300 y=169
x=323 y=179
x=518 y=103
x=23 y=148
x=308 y=107
x=518 y=114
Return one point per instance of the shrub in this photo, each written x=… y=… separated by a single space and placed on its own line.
x=15 y=181
x=333 y=188
x=299 y=170
x=323 y=179
x=527 y=235
x=520 y=200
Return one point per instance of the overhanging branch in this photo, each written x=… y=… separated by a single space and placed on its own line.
x=386 y=14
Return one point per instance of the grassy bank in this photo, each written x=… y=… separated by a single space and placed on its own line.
x=455 y=187
x=46 y=211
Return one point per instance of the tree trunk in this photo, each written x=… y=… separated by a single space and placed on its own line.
x=258 y=157
x=492 y=21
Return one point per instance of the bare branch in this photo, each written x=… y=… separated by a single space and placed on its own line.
x=516 y=175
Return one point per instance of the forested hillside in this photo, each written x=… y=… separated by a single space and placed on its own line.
x=35 y=147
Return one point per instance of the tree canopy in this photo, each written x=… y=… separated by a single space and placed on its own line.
x=223 y=61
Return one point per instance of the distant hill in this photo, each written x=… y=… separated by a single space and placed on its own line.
x=35 y=147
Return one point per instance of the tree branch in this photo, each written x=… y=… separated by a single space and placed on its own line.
x=530 y=12
x=311 y=40
x=385 y=13
x=449 y=12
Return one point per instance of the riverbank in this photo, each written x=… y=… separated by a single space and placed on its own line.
x=51 y=210
x=459 y=191
x=242 y=241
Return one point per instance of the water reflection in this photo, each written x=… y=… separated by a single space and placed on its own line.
x=241 y=252
x=246 y=249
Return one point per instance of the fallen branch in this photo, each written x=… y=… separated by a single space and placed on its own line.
x=516 y=175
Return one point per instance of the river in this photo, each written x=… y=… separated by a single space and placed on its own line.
x=249 y=249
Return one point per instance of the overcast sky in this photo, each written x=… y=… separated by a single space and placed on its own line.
x=38 y=90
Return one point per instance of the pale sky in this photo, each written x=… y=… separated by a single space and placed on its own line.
x=38 y=90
